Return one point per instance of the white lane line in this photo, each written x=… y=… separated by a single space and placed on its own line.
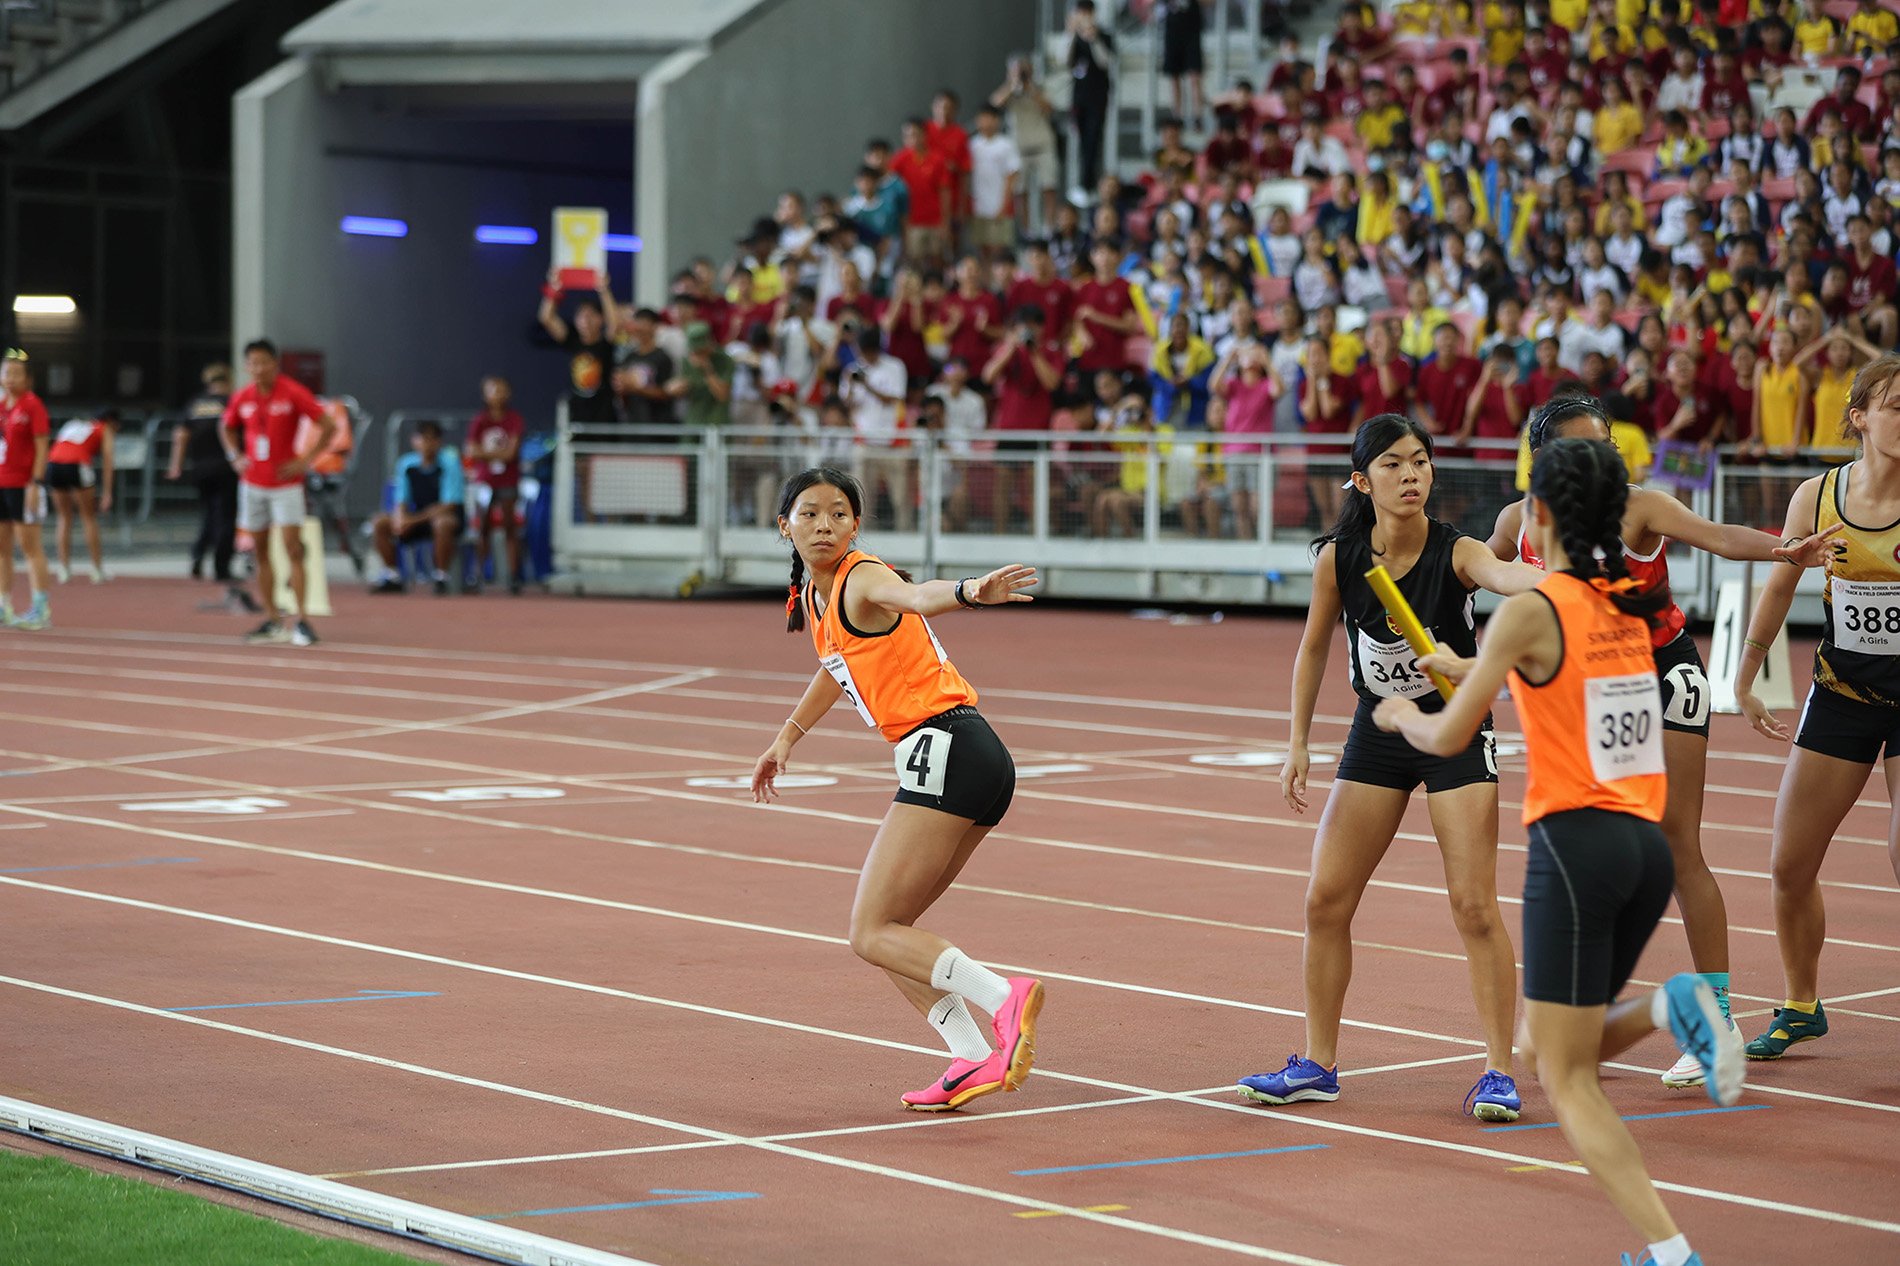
x=782 y=1149
x=937 y=1121
x=1199 y=1098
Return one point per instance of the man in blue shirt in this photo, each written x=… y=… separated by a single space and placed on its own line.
x=427 y=506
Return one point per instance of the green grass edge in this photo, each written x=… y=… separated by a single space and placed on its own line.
x=56 y=1213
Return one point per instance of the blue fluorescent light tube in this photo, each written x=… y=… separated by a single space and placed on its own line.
x=623 y=243
x=506 y=235
x=374 y=226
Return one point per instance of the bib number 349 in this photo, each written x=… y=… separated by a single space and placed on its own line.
x=1625 y=733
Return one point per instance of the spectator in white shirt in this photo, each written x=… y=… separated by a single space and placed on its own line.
x=1681 y=88
x=797 y=240
x=873 y=388
x=1600 y=334
x=1508 y=110
x=1317 y=154
x=995 y=164
x=959 y=415
x=838 y=245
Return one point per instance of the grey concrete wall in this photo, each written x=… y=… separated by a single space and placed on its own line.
x=786 y=101
x=411 y=321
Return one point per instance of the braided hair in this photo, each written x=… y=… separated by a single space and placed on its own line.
x=795 y=487
x=1566 y=406
x=1585 y=487
x=1376 y=434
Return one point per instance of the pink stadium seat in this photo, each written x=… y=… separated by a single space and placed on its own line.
x=1714 y=129
x=1305 y=220
x=1776 y=189
x=1268 y=291
x=1467 y=323
x=1720 y=190
x=1637 y=160
x=1141 y=350
x=1395 y=290
x=1653 y=134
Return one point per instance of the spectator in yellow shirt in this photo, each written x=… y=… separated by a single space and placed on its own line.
x=1619 y=122
x=1816 y=35
x=1873 y=28
x=1503 y=33
x=1381 y=119
x=1681 y=151
x=1421 y=317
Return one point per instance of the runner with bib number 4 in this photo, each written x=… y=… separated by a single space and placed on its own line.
x=1650 y=520
x=1577 y=656
x=1438 y=569
x=954 y=776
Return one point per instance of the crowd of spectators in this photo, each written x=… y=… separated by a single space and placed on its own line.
x=1466 y=209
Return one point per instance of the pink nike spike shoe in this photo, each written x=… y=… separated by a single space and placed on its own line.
x=1015 y=1028
x=965 y=1080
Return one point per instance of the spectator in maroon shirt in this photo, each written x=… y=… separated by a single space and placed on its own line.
x=1723 y=87
x=1356 y=36
x=1685 y=410
x=1272 y=160
x=745 y=309
x=1458 y=91
x=1446 y=380
x=1041 y=288
x=1024 y=371
x=1403 y=85
x=493 y=461
x=1541 y=385
x=1546 y=67
x=1870 y=284
x=1104 y=312
x=1856 y=119
x=1383 y=383
x=1227 y=150
x=1326 y=407
x=1496 y=407
x=1614 y=59
x=972 y=316
x=1345 y=91
x=851 y=296
x=903 y=319
x=1765 y=59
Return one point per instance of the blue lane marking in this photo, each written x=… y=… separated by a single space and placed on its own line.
x=143 y=861
x=1170 y=1160
x=361 y=995
x=1643 y=1116
x=670 y=1195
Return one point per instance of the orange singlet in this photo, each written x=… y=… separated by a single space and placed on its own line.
x=896 y=680
x=1593 y=732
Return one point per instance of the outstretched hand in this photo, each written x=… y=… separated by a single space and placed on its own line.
x=1005 y=584
x=1810 y=551
x=765 y=772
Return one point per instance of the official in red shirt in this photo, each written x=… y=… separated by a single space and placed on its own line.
x=1495 y=408
x=932 y=187
x=25 y=437
x=951 y=142
x=1104 y=313
x=1023 y=371
x=1040 y=287
x=260 y=437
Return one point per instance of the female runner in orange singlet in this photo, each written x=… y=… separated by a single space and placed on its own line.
x=1576 y=651
x=954 y=776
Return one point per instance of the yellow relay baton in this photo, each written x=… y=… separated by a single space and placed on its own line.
x=1406 y=621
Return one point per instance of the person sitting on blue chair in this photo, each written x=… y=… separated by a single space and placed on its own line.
x=425 y=503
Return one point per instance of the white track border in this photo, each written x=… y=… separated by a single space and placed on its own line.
x=319 y=1196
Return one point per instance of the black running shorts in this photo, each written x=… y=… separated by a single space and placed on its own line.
x=68 y=476
x=1685 y=686
x=954 y=763
x=1387 y=760
x=1595 y=887
x=1836 y=725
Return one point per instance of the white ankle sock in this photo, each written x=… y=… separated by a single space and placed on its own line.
x=959 y=1029
x=955 y=972
x=1659 y=1010
x=1671 y=1252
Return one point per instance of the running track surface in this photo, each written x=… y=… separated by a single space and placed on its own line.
x=617 y=988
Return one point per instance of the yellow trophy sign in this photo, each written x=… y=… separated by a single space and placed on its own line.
x=580 y=246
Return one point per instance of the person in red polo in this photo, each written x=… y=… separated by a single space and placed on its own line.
x=1104 y=314
x=25 y=439
x=1024 y=371
x=260 y=438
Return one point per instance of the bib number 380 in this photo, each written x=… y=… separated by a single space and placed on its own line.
x=923 y=758
x=1625 y=734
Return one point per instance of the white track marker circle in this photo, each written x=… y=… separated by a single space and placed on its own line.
x=781 y=782
x=1254 y=760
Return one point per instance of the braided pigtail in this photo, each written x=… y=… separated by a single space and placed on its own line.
x=794 y=603
x=1585 y=487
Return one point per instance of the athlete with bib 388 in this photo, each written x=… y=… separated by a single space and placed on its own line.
x=1851 y=720
x=954 y=776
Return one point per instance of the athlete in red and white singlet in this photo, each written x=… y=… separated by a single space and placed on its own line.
x=1651 y=519
x=75 y=489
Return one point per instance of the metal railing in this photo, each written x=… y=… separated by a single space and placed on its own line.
x=1183 y=515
